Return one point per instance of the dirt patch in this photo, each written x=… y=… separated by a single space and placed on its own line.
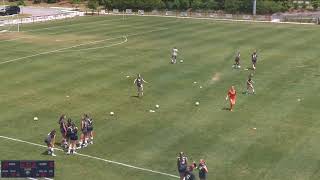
x=216 y=77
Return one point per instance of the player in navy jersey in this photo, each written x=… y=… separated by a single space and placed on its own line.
x=139 y=82
x=63 y=130
x=69 y=123
x=50 y=140
x=73 y=131
x=237 y=61
x=182 y=164
x=189 y=174
x=254 y=58
x=203 y=170
x=90 y=129
x=84 y=129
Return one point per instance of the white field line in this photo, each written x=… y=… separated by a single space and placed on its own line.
x=12 y=39
x=54 y=27
x=93 y=157
x=37 y=179
x=75 y=24
x=70 y=47
x=100 y=47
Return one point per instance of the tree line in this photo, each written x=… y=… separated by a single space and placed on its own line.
x=228 y=6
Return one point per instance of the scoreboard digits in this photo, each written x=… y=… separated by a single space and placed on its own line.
x=22 y=169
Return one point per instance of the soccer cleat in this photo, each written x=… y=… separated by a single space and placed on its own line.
x=53 y=155
x=91 y=142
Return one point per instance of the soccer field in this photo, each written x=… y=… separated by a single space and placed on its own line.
x=88 y=65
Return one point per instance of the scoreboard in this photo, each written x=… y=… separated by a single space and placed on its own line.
x=22 y=169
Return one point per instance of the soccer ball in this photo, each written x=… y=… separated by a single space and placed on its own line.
x=197 y=103
x=35 y=118
x=157 y=106
x=111 y=113
x=181 y=61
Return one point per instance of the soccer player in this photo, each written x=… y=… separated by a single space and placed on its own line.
x=254 y=58
x=84 y=129
x=174 y=55
x=50 y=140
x=189 y=175
x=139 y=82
x=203 y=170
x=232 y=96
x=63 y=130
x=73 y=131
x=250 y=88
x=237 y=61
x=182 y=163
x=90 y=130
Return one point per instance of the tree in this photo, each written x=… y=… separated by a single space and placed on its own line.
x=315 y=4
x=107 y=4
x=21 y=3
x=93 y=5
x=211 y=4
x=76 y=2
x=232 y=6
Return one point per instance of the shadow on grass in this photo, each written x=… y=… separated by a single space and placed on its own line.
x=45 y=153
x=225 y=109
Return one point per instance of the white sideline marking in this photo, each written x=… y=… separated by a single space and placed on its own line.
x=100 y=47
x=82 y=44
x=93 y=157
x=12 y=39
x=54 y=27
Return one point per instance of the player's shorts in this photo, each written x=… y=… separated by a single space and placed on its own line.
x=174 y=56
x=232 y=101
x=74 y=138
x=90 y=129
x=140 y=88
x=254 y=61
x=62 y=131
x=84 y=130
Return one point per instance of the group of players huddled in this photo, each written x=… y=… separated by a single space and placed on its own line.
x=69 y=132
x=186 y=171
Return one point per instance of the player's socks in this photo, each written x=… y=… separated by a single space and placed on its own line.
x=69 y=150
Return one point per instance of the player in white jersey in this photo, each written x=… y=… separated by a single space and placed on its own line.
x=174 y=55
x=139 y=82
x=250 y=88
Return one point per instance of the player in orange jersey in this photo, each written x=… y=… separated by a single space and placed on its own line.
x=232 y=96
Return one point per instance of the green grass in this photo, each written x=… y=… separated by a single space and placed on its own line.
x=284 y=147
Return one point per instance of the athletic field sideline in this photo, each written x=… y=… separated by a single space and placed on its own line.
x=88 y=64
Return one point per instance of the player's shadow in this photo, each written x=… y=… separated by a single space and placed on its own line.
x=250 y=68
x=45 y=153
x=135 y=96
x=225 y=109
x=57 y=144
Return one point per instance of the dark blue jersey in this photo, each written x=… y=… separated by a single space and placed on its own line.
x=182 y=164
x=202 y=171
